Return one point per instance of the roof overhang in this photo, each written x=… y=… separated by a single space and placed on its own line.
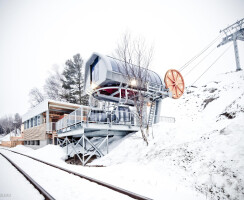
x=45 y=105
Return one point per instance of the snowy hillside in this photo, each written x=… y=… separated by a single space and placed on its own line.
x=203 y=150
x=200 y=156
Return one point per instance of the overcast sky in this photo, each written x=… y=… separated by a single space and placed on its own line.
x=35 y=35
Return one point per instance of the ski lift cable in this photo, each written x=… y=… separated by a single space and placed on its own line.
x=212 y=64
x=196 y=56
x=200 y=61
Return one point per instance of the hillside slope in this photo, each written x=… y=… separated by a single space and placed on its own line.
x=203 y=150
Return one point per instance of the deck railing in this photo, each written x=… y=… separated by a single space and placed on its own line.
x=87 y=115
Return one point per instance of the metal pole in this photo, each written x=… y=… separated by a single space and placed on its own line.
x=67 y=146
x=83 y=153
x=75 y=118
x=238 y=68
x=107 y=141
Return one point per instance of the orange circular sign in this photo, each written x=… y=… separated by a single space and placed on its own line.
x=175 y=83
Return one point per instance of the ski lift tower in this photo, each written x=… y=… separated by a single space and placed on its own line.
x=233 y=33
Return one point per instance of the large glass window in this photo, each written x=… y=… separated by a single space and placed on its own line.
x=95 y=71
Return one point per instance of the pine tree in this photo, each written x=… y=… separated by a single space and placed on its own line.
x=73 y=81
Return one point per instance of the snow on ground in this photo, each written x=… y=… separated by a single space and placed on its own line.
x=60 y=184
x=14 y=185
x=204 y=149
x=201 y=156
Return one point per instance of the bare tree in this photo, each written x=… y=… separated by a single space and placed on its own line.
x=7 y=124
x=35 y=96
x=53 y=85
x=136 y=57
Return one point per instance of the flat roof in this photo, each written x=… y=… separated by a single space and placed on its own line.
x=44 y=106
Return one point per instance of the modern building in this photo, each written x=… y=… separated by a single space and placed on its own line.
x=39 y=123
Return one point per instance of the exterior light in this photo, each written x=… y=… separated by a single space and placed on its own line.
x=133 y=82
x=93 y=85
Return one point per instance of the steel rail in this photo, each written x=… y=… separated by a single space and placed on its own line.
x=112 y=187
x=43 y=192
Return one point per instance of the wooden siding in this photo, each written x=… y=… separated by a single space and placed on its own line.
x=11 y=143
x=35 y=133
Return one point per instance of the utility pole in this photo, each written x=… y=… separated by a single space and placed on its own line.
x=233 y=33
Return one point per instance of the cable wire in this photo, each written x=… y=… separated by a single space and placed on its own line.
x=211 y=64
x=205 y=49
x=200 y=61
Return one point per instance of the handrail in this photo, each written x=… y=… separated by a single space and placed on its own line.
x=87 y=115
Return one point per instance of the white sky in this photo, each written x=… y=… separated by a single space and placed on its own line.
x=35 y=35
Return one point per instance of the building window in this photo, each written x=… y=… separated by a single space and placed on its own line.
x=95 y=70
x=37 y=142
x=31 y=122
x=38 y=120
x=35 y=120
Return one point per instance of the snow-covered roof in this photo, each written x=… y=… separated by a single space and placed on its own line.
x=43 y=107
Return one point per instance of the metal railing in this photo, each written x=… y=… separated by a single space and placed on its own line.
x=88 y=115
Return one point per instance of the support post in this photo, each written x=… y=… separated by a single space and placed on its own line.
x=67 y=150
x=238 y=68
x=76 y=152
x=107 y=141
x=47 y=120
x=83 y=153
x=75 y=118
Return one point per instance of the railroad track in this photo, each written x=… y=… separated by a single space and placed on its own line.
x=48 y=196
x=34 y=183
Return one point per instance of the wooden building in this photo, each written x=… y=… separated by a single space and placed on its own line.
x=38 y=128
